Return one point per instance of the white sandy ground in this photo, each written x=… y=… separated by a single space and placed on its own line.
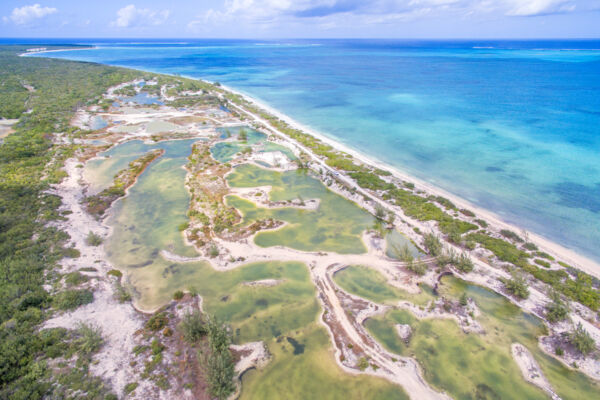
x=531 y=370
x=118 y=321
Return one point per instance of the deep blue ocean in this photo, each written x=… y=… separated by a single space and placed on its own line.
x=512 y=126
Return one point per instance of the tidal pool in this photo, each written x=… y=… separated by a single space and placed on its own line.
x=252 y=135
x=98 y=123
x=100 y=172
x=270 y=146
x=284 y=316
x=225 y=151
x=475 y=365
x=336 y=225
x=372 y=285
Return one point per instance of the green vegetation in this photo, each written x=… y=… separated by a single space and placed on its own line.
x=530 y=246
x=418 y=268
x=369 y=180
x=464 y=263
x=75 y=278
x=511 y=235
x=581 y=339
x=71 y=299
x=157 y=321
x=193 y=327
x=502 y=249
x=178 y=295
x=543 y=263
x=89 y=338
x=433 y=244
x=557 y=310
x=219 y=361
x=517 y=286
x=581 y=289
x=116 y=273
x=422 y=209
x=362 y=364
x=130 y=387
x=94 y=239
x=29 y=163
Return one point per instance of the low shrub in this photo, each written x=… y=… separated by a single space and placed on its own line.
x=94 y=239
x=157 y=321
x=71 y=299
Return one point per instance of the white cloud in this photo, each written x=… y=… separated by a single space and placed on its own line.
x=27 y=14
x=528 y=8
x=131 y=16
x=265 y=13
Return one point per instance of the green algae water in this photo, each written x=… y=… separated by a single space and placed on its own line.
x=284 y=316
x=371 y=285
x=336 y=225
x=475 y=365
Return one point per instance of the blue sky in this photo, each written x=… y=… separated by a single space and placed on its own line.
x=301 y=18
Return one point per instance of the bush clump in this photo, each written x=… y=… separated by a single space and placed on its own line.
x=157 y=321
x=71 y=299
x=89 y=338
x=557 y=310
x=220 y=362
x=115 y=272
x=581 y=339
x=517 y=286
x=433 y=244
x=178 y=295
x=193 y=327
x=94 y=239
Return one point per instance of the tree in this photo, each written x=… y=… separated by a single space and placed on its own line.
x=517 y=286
x=193 y=327
x=464 y=263
x=433 y=244
x=243 y=135
x=557 y=310
x=402 y=253
x=581 y=339
x=379 y=212
x=418 y=268
x=220 y=363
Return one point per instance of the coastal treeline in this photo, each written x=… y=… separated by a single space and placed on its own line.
x=42 y=94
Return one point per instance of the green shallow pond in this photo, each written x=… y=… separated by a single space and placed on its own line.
x=371 y=285
x=336 y=225
x=101 y=171
x=470 y=366
x=284 y=316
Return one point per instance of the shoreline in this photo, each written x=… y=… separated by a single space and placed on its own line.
x=571 y=256
x=26 y=54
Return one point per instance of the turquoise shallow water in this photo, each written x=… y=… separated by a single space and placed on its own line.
x=513 y=127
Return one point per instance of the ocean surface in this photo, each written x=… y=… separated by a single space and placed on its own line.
x=512 y=126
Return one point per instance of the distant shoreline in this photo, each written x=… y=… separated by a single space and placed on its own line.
x=29 y=53
x=561 y=252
